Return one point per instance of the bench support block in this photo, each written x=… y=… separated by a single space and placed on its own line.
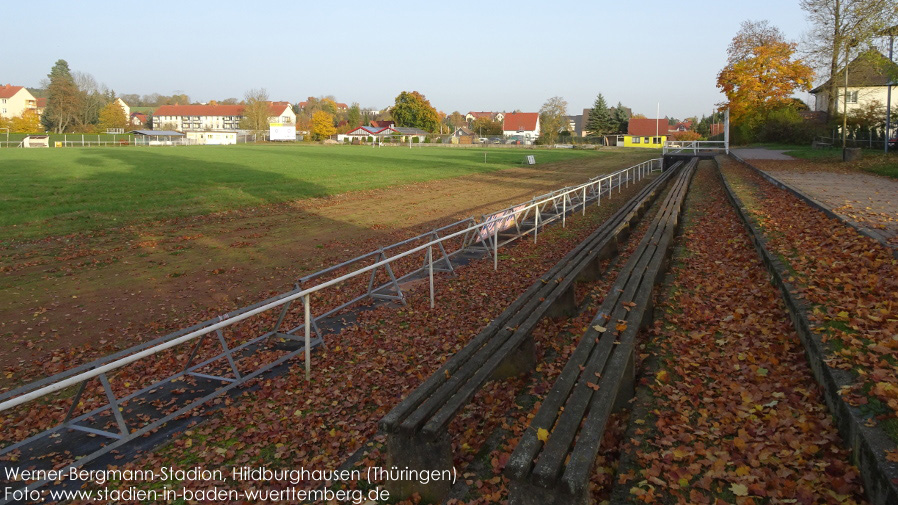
x=565 y=305
x=592 y=271
x=416 y=453
x=524 y=493
x=519 y=362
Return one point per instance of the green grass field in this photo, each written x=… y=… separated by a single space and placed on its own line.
x=60 y=191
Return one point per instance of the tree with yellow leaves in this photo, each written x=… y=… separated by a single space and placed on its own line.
x=28 y=122
x=761 y=73
x=322 y=125
x=112 y=116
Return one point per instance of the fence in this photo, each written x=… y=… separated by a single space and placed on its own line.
x=695 y=146
x=853 y=140
x=378 y=274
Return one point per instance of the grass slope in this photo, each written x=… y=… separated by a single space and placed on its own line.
x=62 y=191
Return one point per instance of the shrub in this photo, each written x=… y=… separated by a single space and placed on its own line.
x=415 y=140
x=785 y=126
x=685 y=136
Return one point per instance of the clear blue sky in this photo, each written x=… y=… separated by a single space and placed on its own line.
x=463 y=56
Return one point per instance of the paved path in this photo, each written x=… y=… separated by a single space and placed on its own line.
x=870 y=201
x=760 y=153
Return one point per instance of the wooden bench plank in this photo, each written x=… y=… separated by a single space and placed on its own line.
x=562 y=469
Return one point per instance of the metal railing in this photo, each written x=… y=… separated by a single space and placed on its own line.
x=450 y=240
x=695 y=146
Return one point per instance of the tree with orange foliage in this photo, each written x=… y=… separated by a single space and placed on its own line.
x=761 y=73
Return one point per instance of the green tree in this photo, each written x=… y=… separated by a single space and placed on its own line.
x=600 y=121
x=620 y=118
x=552 y=119
x=413 y=110
x=112 y=116
x=354 y=116
x=255 y=111
x=322 y=125
x=485 y=126
x=457 y=120
x=63 y=99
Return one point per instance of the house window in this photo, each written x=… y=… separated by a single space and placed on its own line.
x=646 y=140
x=636 y=140
x=852 y=96
x=656 y=140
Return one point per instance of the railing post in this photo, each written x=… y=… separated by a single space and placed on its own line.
x=308 y=327
x=564 y=210
x=430 y=271
x=496 y=247
x=535 y=222
x=584 y=200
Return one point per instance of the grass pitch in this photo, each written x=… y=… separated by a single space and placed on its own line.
x=61 y=191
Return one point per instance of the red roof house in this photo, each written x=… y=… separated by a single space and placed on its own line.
x=521 y=123
x=645 y=127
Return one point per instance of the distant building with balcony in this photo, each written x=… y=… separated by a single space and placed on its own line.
x=15 y=100
x=186 y=118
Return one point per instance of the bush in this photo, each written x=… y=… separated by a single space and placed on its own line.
x=415 y=140
x=785 y=126
x=685 y=136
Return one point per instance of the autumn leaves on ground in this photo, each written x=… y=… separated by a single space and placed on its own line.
x=727 y=410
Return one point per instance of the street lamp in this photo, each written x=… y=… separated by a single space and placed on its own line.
x=851 y=44
x=891 y=32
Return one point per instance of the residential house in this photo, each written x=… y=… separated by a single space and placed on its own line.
x=462 y=135
x=492 y=116
x=521 y=125
x=138 y=119
x=121 y=103
x=197 y=117
x=281 y=112
x=214 y=117
x=15 y=100
x=382 y=124
x=868 y=78
x=394 y=133
x=682 y=126
x=644 y=132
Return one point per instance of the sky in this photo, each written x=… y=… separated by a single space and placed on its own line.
x=464 y=56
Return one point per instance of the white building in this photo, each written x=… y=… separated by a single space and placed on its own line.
x=214 y=117
x=868 y=78
x=15 y=100
x=213 y=138
x=521 y=124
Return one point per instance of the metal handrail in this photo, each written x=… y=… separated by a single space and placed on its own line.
x=693 y=146
x=94 y=369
